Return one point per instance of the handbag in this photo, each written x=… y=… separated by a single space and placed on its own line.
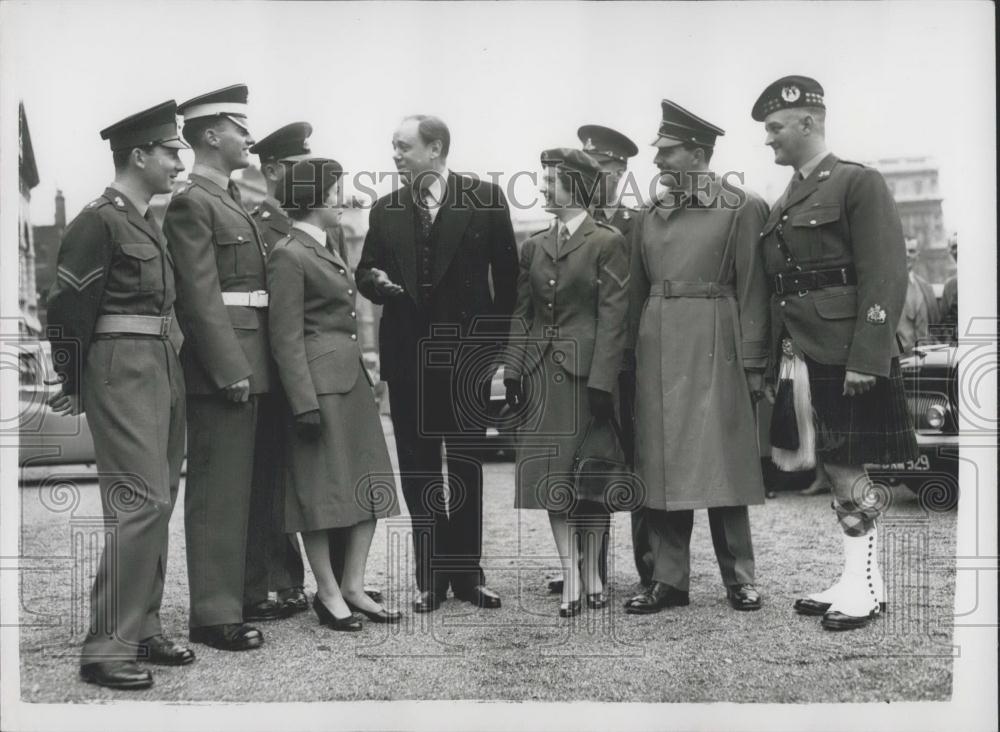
x=605 y=479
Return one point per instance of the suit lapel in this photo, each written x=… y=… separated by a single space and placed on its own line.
x=810 y=184
x=452 y=220
x=584 y=230
x=321 y=251
x=548 y=241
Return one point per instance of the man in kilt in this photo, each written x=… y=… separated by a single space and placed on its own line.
x=833 y=247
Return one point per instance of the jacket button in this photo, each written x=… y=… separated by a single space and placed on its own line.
x=343 y=272
x=812 y=222
x=239 y=238
x=782 y=303
x=354 y=314
x=548 y=305
x=350 y=292
x=552 y=282
x=354 y=337
x=785 y=217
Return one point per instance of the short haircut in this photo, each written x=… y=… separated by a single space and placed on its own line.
x=121 y=157
x=431 y=128
x=194 y=131
x=306 y=186
x=704 y=148
x=818 y=114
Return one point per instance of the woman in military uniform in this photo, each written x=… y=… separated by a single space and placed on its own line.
x=338 y=472
x=572 y=306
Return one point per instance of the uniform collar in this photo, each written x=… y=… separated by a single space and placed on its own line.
x=140 y=206
x=211 y=174
x=311 y=230
x=811 y=164
x=574 y=223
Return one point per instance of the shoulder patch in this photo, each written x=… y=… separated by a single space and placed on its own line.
x=283 y=241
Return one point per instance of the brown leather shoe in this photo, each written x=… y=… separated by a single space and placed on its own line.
x=165 y=652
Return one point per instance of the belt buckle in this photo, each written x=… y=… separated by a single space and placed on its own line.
x=255 y=298
x=802 y=293
x=165 y=322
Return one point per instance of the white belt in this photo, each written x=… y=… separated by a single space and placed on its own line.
x=255 y=299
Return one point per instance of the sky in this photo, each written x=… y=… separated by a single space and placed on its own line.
x=510 y=79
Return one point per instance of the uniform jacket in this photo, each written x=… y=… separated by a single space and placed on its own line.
x=475 y=269
x=622 y=219
x=272 y=223
x=314 y=326
x=112 y=261
x=217 y=249
x=843 y=214
x=574 y=301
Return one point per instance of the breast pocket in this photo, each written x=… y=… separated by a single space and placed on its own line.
x=233 y=244
x=142 y=270
x=817 y=228
x=837 y=305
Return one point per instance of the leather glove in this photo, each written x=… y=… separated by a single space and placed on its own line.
x=515 y=392
x=602 y=405
x=308 y=426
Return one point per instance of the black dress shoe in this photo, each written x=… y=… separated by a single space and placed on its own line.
x=165 y=652
x=426 y=602
x=116 y=675
x=294 y=599
x=380 y=616
x=743 y=597
x=840 y=621
x=266 y=610
x=228 y=637
x=596 y=600
x=375 y=596
x=350 y=624
x=570 y=609
x=555 y=587
x=656 y=598
x=480 y=595
x=807 y=606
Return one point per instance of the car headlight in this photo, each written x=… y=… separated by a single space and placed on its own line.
x=934 y=416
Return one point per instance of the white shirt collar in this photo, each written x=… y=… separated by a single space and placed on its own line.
x=312 y=230
x=437 y=189
x=574 y=223
x=810 y=165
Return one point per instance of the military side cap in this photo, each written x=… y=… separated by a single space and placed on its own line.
x=605 y=142
x=290 y=141
x=681 y=126
x=571 y=160
x=154 y=126
x=788 y=92
x=307 y=181
x=229 y=102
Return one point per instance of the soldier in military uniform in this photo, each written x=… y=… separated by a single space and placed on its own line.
x=833 y=248
x=110 y=314
x=222 y=309
x=612 y=150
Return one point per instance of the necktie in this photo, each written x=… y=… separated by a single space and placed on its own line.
x=563 y=238
x=234 y=191
x=151 y=220
x=423 y=213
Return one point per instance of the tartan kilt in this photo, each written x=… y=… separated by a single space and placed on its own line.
x=871 y=428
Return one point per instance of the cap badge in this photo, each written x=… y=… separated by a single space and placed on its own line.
x=876 y=315
x=786 y=347
x=588 y=145
x=119 y=202
x=823 y=174
x=790 y=93
x=266 y=215
x=305 y=146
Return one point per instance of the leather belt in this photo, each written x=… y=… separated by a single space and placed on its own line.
x=673 y=288
x=150 y=325
x=255 y=299
x=817 y=279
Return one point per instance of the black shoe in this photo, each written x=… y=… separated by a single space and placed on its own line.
x=657 y=597
x=228 y=637
x=165 y=652
x=380 y=616
x=375 y=596
x=266 y=610
x=840 y=621
x=350 y=624
x=743 y=597
x=596 y=600
x=480 y=595
x=426 y=602
x=116 y=675
x=570 y=609
x=556 y=587
x=294 y=599
x=807 y=606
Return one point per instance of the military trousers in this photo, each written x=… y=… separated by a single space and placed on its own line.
x=222 y=438
x=670 y=544
x=273 y=559
x=133 y=396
